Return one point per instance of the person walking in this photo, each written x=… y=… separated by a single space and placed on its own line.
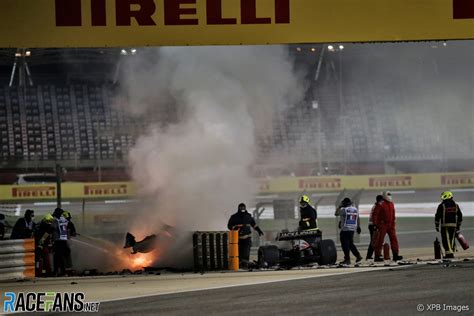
x=384 y=220
x=61 y=250
x=448 y=220
x=372 y=228
x=308 y=215
x=243 y=221
x=348 y=224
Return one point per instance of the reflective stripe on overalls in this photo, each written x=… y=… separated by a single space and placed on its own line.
x=444 y=224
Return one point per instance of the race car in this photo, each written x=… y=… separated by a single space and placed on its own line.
x=298 y=248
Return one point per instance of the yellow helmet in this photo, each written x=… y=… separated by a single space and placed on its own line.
x=446 y=195
x=48 y=218
x=305 y=199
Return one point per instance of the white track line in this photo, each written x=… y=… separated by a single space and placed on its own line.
x=50 y=203
x=463 y=190
x=356 y=270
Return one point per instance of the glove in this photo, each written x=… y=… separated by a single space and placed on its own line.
x=40 y=247
x=437 y=228
x=457 y=232
x=259 y=231
x=375 y=228
x=359 y=230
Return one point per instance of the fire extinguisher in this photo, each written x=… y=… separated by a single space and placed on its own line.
x=437 y=249
x=462 y=241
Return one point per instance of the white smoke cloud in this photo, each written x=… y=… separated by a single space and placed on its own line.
x=194 y=169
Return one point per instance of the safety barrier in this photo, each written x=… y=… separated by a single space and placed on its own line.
x=439 y=181
x=69 y=190
x=121 y=190
x=17 y=259
x=234 y=250
x=210 y=251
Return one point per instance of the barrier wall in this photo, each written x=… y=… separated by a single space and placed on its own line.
x=368 y=182
x=75 y=190
x=272 y=185
x=210 y=251
x=17 y=259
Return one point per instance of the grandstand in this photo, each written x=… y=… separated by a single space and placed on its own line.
x=387 y=108
x=368 y=109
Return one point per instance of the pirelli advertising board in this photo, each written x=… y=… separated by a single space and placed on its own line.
x=111 y=190
x=103 y=190
x=122 y=23
x=369 y=182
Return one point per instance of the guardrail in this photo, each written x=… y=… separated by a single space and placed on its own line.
x=211 y=251
x=17 y=259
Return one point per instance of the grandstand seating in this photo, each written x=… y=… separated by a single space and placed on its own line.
x=359 y=117
x=60 y=122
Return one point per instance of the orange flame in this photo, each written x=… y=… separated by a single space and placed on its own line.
x=136 y=261
x=141 y=260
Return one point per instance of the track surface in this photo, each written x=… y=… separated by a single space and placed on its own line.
x=387 y=292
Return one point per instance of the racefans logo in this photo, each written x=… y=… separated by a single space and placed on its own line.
x=48 y=302
x=324 y=183
x=393 y=181
x=464 y=179
x=36 y=191
x=105 y=189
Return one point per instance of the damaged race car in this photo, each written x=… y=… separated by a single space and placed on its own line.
x=149 y=243
x=298 y=248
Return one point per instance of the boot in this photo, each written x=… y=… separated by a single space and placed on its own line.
x=378 y=259
x=345 y=262
x=359 y=259
x=396 y=257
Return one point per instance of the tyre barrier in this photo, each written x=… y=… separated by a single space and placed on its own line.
x=17 y=259
x=210 y=251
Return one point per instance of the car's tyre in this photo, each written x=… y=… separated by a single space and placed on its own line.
x=268 y=256
x=328 y=251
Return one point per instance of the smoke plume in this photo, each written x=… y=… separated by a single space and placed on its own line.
x=203 y=107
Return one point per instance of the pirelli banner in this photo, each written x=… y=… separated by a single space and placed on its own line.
x=111 y=190
x=121 y=23
x=103 y=190
x=375 y=182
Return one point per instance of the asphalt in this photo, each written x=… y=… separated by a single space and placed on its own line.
x=387 y=292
